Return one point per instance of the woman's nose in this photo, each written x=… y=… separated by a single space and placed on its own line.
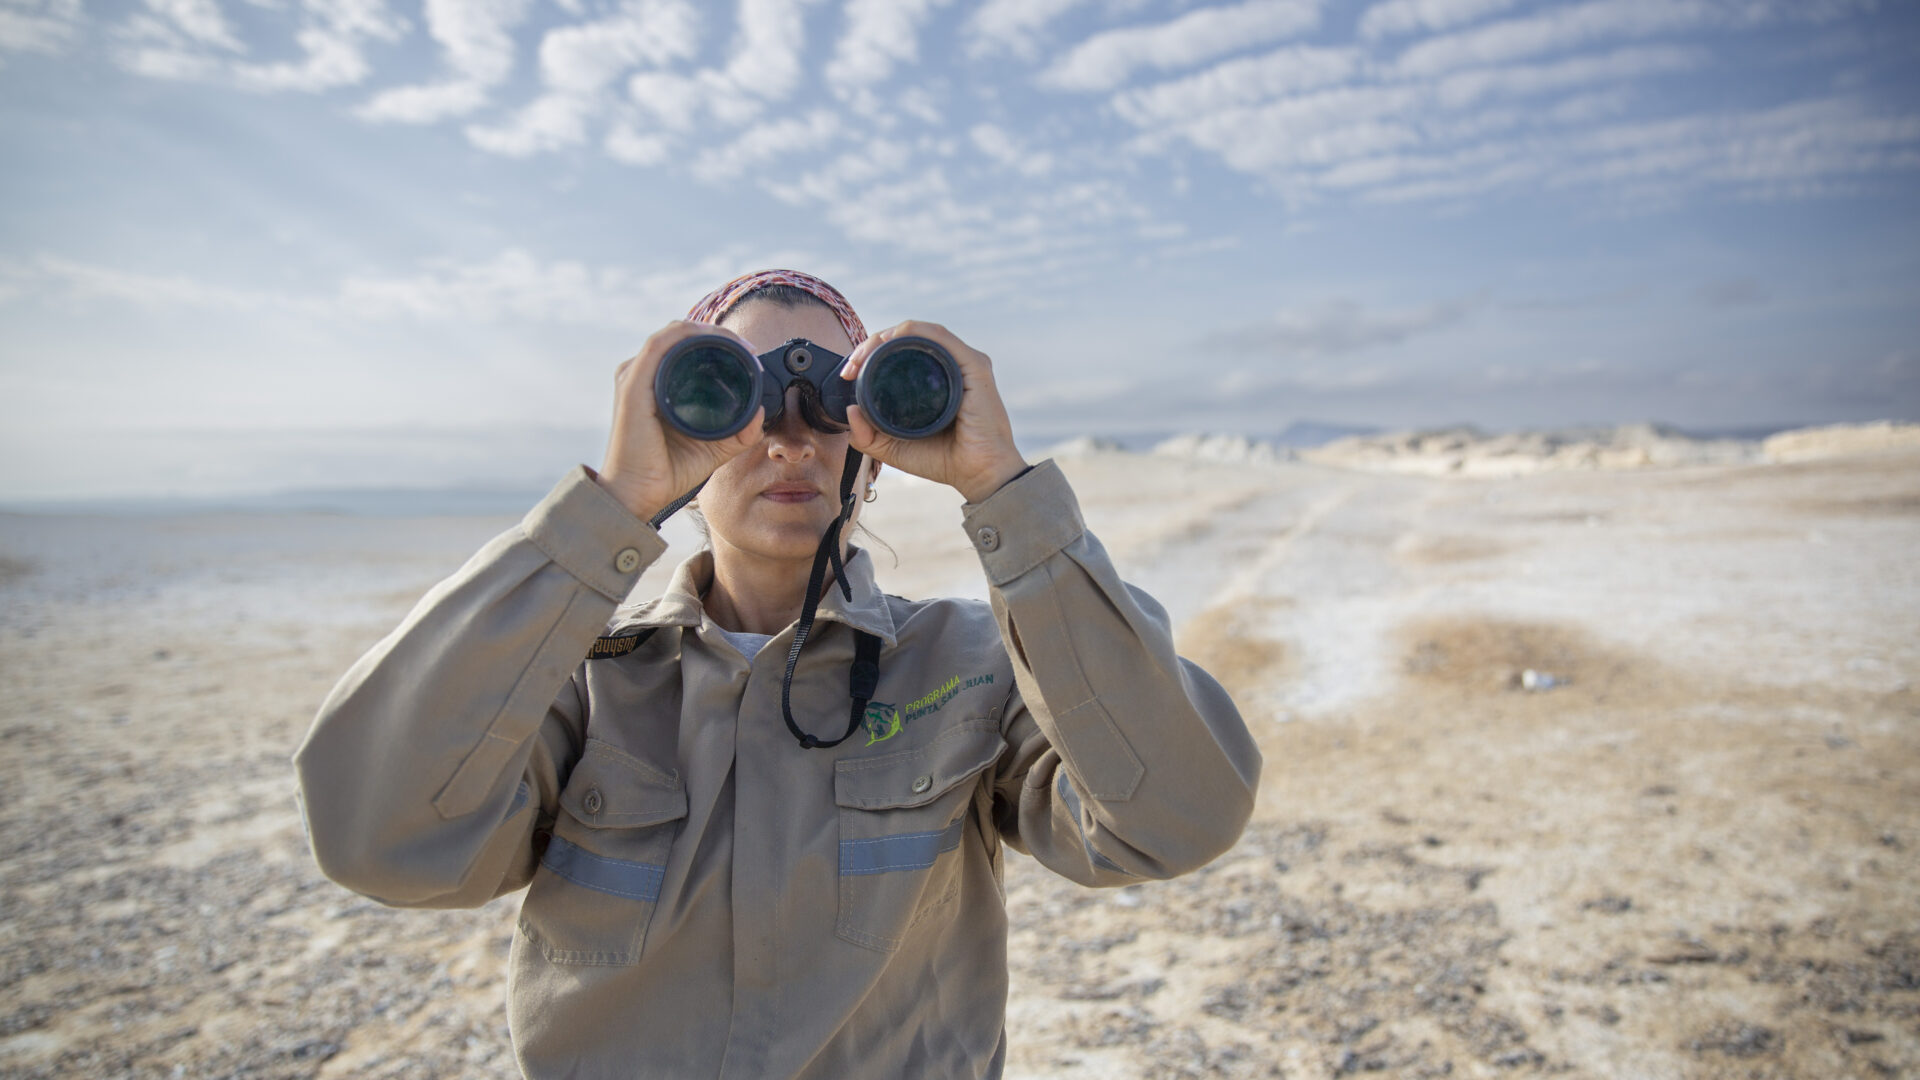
x=791 y=438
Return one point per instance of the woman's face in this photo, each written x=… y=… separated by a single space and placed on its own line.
x=775 y=500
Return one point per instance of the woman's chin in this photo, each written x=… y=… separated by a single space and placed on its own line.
x=787 y=543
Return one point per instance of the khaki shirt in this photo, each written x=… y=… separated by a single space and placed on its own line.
x=705 y=897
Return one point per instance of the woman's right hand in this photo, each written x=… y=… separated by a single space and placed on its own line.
x=648 y=463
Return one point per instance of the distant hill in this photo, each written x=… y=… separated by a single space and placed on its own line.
x=1306 y=434
x=1464 y=450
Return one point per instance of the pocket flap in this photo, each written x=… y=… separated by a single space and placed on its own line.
x=917 y=777
x=612 y=789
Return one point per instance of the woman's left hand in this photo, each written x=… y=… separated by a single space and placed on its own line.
x=976 y=454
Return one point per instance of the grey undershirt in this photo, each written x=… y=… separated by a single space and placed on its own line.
x=747 y=644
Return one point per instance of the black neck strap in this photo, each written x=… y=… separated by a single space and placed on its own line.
x=673 y=507
x=864 y=676
x=827 y=554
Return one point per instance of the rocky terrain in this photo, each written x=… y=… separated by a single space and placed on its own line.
x=1687 y=851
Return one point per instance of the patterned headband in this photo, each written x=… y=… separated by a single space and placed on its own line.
x=717 y=302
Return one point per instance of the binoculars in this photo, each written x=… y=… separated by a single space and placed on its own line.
x=708 y=386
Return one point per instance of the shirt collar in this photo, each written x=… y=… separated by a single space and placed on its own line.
x=680 y=604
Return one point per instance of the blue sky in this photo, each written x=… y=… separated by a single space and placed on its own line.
x=259 y=244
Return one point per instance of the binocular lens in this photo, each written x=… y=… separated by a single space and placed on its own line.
x=708 y=391
x=910 y=390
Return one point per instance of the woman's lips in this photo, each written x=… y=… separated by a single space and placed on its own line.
x=791 y=493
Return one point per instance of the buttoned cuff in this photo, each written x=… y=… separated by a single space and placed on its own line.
x=1025 y=523
x=592 y=535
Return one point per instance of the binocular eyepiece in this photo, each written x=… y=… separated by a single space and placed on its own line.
x=708 y=386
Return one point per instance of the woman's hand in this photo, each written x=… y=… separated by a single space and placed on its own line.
x=976 y=454
x=648 y=463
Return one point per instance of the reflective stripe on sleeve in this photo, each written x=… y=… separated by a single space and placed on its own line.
x=1072 y=800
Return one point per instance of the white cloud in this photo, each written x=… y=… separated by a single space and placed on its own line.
x=550 y=122
x=46 y=26
x=880 y=159
x=1791 y=151
x=585 y=58
x=764 y=67
x=1763 y=152
x=331 y=60
x=173 y=65
x=331 y=40
x=1108 y=59
x=70 y=281
x=476 y=38
x=916 y=102
x=1465 y=88
x=512 y=285
x=1013 y=26
x=578 y=64
x=767 y=56
x=516 y=284
x=1467 y=114
x=1316 y=129
x=1237 y=83
x=767 y=142
x=919 y=214
x=631 y=147
x=200 y=20
x=1556 y=29
x=1405 y=16
x=425 y=103
x=1001 y=147
x=672 y=100
x=879 y=35
x=1341 y=327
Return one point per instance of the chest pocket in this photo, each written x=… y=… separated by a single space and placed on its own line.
x=600 y=878
x=903 y=818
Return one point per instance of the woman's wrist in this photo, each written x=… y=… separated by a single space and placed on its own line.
x=978 y=489
x=637 y=502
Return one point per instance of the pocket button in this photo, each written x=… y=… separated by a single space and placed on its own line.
x=922 y=784
x=592 y=802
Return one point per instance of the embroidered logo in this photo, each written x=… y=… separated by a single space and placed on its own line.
x=883 y=721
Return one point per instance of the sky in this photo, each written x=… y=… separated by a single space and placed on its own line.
x=260 y=245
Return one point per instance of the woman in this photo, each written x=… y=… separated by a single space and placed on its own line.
x=707 y=898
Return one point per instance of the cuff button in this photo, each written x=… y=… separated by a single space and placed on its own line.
x=627 y=561
x=988 y=538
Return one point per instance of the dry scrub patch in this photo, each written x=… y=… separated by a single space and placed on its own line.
x=1422 y=549
x=1887 y=505
x=1228 y=643
x=1477 y=657
x=13 y=569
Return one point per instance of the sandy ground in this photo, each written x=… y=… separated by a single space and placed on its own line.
x=1696 y=858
